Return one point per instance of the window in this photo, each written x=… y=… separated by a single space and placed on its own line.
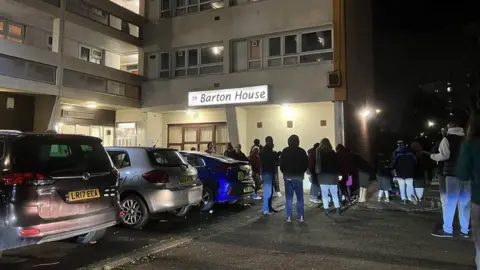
x=60 y=155
x=49 y=42
x=164 y=65
x=120 y=159
x=165 y=11
x=12 y=31
x=194 y=61
x=91 y=54
x=195 y=161
x=193 y=6
x=308 y=47
x=247 y=55
x=166 y=157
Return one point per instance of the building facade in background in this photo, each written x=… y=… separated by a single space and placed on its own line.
x=183 y=73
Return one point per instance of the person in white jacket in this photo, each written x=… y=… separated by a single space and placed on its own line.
x=457 y=192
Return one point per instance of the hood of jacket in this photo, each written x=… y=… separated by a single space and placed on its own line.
x=456 y=131
x=293 y=141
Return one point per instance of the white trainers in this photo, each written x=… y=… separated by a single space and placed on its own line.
x=289 y=219
x=278 y=194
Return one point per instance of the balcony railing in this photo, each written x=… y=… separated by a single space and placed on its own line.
x=24 y=69
x=88 y=11
x=78 y=80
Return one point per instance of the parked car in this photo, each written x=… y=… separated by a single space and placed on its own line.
x=225 y=180
x=54 y=187
x=154 y=180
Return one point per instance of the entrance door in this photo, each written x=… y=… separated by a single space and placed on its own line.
x=96 y=132
x=188 y=136
x=82 y=130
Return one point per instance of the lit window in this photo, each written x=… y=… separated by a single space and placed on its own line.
x=2 y=26
x=15 y=39
x=193 y=6
x=194 y=61
x=15 y=30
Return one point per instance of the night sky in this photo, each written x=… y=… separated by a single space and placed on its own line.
x=418 y=42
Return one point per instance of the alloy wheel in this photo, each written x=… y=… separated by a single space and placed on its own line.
x=132 y=212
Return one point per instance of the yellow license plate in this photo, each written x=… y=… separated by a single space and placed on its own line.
x=81 y=195
x=241 y=175
x=185 y=180
x=248 y=189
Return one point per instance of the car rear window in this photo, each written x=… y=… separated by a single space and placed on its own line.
x=56 y=156
x=166 y=157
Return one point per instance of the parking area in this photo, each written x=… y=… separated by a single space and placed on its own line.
x=120 y=241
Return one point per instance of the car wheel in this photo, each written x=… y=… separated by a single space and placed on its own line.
x=91 y=237
x=136 y=213
x=208 y=200
x=181 y=212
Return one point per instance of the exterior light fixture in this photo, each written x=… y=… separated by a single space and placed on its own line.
x=431 y=124
x=91 y=105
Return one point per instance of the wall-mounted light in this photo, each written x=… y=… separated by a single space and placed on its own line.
x=430 y=123
x=91 y=105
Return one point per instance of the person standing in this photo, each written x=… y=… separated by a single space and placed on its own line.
x=468 y=169
x=256 y=165
x=293 y=165
x=365 y=173
x=346 y=167
x=210 y=148
x=239 y=155
x=404 y=164
x=384 y=180
x=440 y=167
x=268 y=158
x=314 y=188
x=327 y=174
x=421 y=170
x=457 y=191
x=230 y=152
x=256 y=143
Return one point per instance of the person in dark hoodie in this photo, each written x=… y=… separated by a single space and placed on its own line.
x=230 y=151
x=404 y=164
x=293 y=165
x=346 y=166
x=314 y=188
x=268 y=158
x=326 y=168
x=256 y=143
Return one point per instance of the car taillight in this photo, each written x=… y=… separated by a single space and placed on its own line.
x=156 y=177
x=29 y=232
x=24 y=178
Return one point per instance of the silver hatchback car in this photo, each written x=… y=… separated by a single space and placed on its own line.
x=154 y=180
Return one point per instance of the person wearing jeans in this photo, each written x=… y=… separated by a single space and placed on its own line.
x=326 y=167
x=294 y=164
x=404 y=164
x=268 y=158
x=457 y=192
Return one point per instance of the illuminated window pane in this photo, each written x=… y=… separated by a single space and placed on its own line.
x=15 y=39
x=15 y=30
x=2 y=25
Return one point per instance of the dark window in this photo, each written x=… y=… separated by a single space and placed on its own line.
x=274 y=46
x=164 y=61
x=195 y=161
x=291 y=44
x=193 y=57
x=166 y=157
x=180 y=59
x=120 y=159
x=55 y=156
x=317 y=41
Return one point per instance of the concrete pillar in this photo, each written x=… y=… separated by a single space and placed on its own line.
x=143 y=7
x=339 y=116
x=227 y=55
x=232 y=124
x=142 y=62
x=57 y=46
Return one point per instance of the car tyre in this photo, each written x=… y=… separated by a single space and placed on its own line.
x=136 y=214
x=91 y=237
x=208 y=200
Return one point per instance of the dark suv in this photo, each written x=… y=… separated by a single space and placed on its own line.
x=53 y=187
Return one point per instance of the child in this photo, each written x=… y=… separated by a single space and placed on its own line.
x=383 y=176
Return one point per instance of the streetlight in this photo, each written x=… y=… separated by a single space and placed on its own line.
x=378 y=111
x=431 y=124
